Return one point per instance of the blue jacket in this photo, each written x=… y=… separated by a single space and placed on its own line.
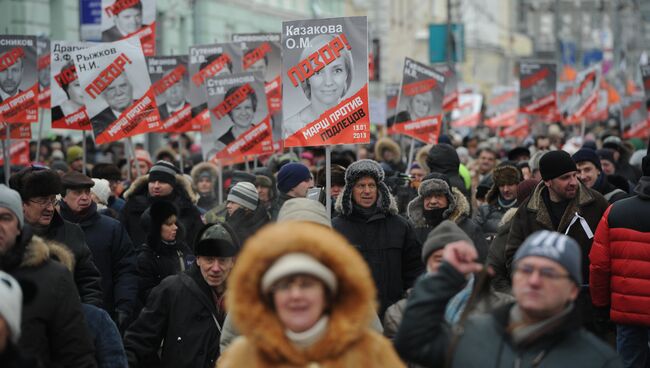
x=109 y=351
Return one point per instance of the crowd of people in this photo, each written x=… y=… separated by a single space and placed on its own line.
x=474 y=254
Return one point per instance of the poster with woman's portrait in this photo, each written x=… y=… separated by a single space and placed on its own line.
x=587 y=85
x=325 y=82
x=122 y=19
x=18 y=79
x=117 y=90
x=170 y=82
x=207 y=61
x=419 y=104
x=502 y=108
x=262 y=53
x=240 y=118
x=537 y=92
x=68 y=107
x=43 y=66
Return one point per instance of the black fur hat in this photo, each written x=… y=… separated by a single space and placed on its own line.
x=155 y=216
x=36 y=181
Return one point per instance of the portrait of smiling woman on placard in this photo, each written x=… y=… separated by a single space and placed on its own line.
x=324 y=89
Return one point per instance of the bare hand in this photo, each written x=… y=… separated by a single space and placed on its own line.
x=462 y=256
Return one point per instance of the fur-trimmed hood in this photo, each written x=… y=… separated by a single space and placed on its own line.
x=199 y=168
x=38 y=251
x=458 y=208
x=182 y=187
x=421 y=157
x=387 y=144
x=351 y=308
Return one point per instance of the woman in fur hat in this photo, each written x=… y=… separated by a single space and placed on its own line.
x=305 y=301
x=165 y=253
x=205 y=180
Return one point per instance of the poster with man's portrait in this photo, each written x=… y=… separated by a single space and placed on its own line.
x=68 y=107
x=537 y=92
x=43 y=66
x=635 y=122
x=170 y=80
x=262 y=53
x=325 y=82
x=122 y=19
x=240 y=118
x=585 y=92
x=18 y=79
x=450 y=101
x=208 y=61
x=117 y=90
x=419 y=103
x=502 y=108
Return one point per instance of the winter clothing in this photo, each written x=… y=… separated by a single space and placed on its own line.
x=608 y=190
x=32 y=182
x=101 y=190
x=525 y=189
x=109 y=351
x=11 y=304
x=384 y=238
x=518 y=152
x=10 y=199
x=424 y=337
x=623 y=167
x=298 y=263
x=442 y=158
x=556 y=247
x=182 y=315
x=217 y=240
x=163 y=171
x=247 y=222
x=587 y=155
x=245 y=195
x=345 y=339
x=497 y=254
x=138 y=200
x=76 y=180
x=619 y=258
x=556 y=163
x=387 y=144
x=206 y=201
x=113 y=254
x=457 y=211
x=489 y=215
x=73 y=154
x=53 y=326
x=292 y=174
x=303 y=209
x=443 y=234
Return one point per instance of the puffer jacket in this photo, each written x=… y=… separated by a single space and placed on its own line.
x=138 y=200
x=483 y=340
x=620 y=259
x=347 y=340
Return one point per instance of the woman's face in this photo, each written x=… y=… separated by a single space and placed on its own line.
x=169 y=229
x=299 y=301
x=421 y=105
x=75 y=92
x=242 y=114
x=328 y=85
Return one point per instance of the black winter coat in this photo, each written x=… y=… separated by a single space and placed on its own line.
x=246 y=223
x=604 y=187
x=180 y=313
x=53 y=325
x=443 y=159
x=86 y=274
x=484 y=341
x=157 y=261
x=138 y=200
x=389 y=246
x=114 y=256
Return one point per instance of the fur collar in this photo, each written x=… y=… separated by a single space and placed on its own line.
x=508 y=216
x=38 y=251
x=458 y=208
x=536 y=205
x=140 y=186
x=351 y=309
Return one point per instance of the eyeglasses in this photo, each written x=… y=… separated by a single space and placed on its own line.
x=544 y=272
x=44 y=202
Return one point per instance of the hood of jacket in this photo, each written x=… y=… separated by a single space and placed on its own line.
x=351 y=309
x=643 y=187
x=442 y=158
x=387 y=144
x=421 y=157
x=38 y=251
x=183 y=188
x=202 y=167
x=536 y=204
x=458 y=208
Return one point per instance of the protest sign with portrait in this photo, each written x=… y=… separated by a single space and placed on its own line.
x=450 y=101
x=537 y=82
x=122 y=19
x=18 y=79
x=18 y=153
x=16 y=130
x=468 y=111
x=43 y=66
x=585 y=94
x=502 y=108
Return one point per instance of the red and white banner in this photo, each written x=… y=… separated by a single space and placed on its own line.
x=521 y=128
x=420 y=102
x=586 y=89
x=43 y=66
x=18 y=79
x=537 y=92
x=468 y=112
x=18 y=153
x=16 y=130
x=122 y=19
x=502 y=109
x=68 y=106
x=635 y=122
x=325 y=82
x=117 y=90
x=450 y=102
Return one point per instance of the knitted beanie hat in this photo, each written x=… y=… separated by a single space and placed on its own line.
x=163 y=171
x=245 y=194
x=292 y=174
x=556 y=163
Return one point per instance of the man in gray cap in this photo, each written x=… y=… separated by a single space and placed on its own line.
x=541 y=328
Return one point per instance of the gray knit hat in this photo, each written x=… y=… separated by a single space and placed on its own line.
x=164 y=171
x=445 y=233
x=360 y=169
x=244 y=194
x=556 y=247
x=10 y=199
x=303 y=209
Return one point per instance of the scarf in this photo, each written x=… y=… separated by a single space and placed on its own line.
x=524 y=334
x=364 y=213
x=434 y=217
x=506 y=204
x=307 y=338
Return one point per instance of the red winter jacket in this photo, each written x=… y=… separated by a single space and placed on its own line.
x=620 y=259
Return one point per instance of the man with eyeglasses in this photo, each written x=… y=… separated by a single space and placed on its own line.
x=370 y=221
x=38 y=187
x=541 y=328
x=561 y=203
